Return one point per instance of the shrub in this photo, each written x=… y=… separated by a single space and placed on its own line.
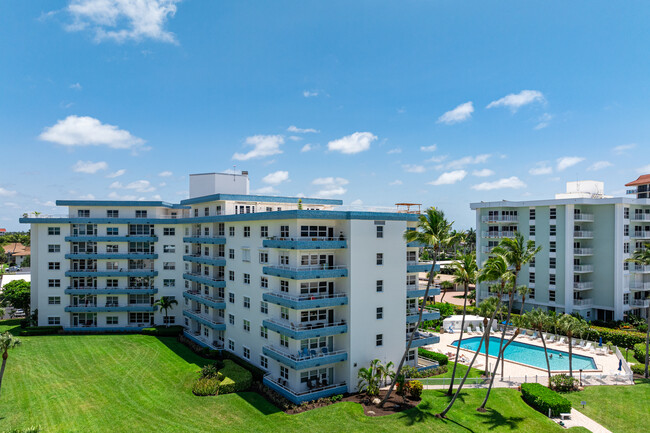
x=434 y=356
x=638 y=369
x=618 y=337
x=236 y=378
x=210 y=371
x=416 y=388
x=163 y=331
x=206 y=386
x=639 y=352
x=335 y=398
x=41 y=330
x=563 y=383
x=542 y=399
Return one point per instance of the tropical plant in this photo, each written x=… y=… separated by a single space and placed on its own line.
x=445 y=286
x=166 y=303
x=571 y=326
x=538 y=320
x=520 y=322
x=17 y=294
x=433 y=231
x=386 y=372
x=488 y=309
x=7 y=341
x=523 y=291
x=641 y=256
x=369 y=378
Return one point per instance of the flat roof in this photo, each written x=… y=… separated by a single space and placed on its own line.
x=130 y=203
x=261 y=198
x=559 y=202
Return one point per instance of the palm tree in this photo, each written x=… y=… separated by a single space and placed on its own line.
x=519 y=322
x=386 y=371
x=538 y=320
x=433 y=231
x=641 y=256
x=523 y=291
x=7 y=341
x=471 y=239
x=571 y=326
x=166 y=303
x=488 y=309
x=369 y=378
x=445 y=286
x=465 y=272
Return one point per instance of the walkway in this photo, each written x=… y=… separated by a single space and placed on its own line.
x=578 y=419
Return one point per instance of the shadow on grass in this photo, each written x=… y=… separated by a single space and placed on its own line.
x=494 y=420
x=426 y=412
x=258 y=402
x=184 y=352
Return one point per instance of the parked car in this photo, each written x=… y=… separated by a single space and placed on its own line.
x=19 y=313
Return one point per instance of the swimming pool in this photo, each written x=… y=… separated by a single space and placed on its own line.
x=531 y=355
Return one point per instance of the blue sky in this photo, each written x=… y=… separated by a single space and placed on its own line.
x=372 y=102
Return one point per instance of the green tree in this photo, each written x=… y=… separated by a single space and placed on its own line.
x=7 y=341
x=166 y=303
x=571 y=326
x=445 y=286
x=369 y=378
x=538 y=320
x=641 y=256
x=17 y=294
x=433 y=231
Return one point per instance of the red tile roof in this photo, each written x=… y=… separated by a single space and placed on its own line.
x=3 y=230
x=642 y=180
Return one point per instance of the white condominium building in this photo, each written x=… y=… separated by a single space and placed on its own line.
x=306 y=292
x=585 y=238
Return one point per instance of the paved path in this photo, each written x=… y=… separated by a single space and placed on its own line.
x=578 y=419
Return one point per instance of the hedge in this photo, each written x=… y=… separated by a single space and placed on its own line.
x=206 y=386
x=236 y=378
x=638 y=369
x=163 y=331
x=41 y=330
x=434 y=356
x=542 y=399
x=618 y=337
x=639 y=352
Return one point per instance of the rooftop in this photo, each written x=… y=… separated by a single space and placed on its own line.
x=644 y=179
x=16 y=249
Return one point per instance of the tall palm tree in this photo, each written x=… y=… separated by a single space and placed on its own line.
x=166 y=303
x=7 y=341
x=538 y=320
x=488 y=309
x=641 y=256
x=519 y=322
x=465 y=272
x=523 y=291
x=571 y=326
x=471 y=239
x=433 y=231
x=445 y=286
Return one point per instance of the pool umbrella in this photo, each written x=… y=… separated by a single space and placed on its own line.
x=620 y=364
x=600 y=341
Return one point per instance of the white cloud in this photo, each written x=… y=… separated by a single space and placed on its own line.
x=543 y=121
x=115 y=196
x=396 y=182
x=459 y=114
x=306 y=148
x=449 y=178
x=263 y=145
x=508 y=182
x=623 y=148
x=540 y=169
x=413 y=168
x=87 y=197
x=394 y=151
x=297 y=130
x=88 y=131
x=355 y=143
x=437 y=159
x=137 y=186
x=309 y=93
x=89 y=167
x=483 y=173
x=75 y=86
x=514 y=101
x=265 y=190
x=11 y=204
x=568 y=161
x=6 y=193
x=466 y=160
x=276 y=178
x=115 y=174
x=165 y=173
x=330 y=186
x=121 y=20
x=294 y=138
x=599 y=165
x=643 y=170
x=431 y=148
x=357 y=202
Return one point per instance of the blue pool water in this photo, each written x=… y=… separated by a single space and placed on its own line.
x=530 y=355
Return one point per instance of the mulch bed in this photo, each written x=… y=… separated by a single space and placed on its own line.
x=394 y=404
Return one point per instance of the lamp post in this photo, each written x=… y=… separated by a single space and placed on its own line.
x=581 y=377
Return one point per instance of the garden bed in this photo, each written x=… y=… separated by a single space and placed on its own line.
x=394 y=404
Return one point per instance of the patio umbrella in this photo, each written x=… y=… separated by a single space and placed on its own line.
x=600 y=341
x=620 y=364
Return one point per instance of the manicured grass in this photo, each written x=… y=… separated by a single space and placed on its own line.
x=138 y=383
x=618 y=408
x=11 y=325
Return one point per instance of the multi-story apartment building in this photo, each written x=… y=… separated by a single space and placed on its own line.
x=307 y=292
x=586 y=238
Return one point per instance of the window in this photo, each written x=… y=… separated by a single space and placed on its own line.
x=551 y=262
x=626 y=266
x=231 y=298
x=169 y=248
x=112 y=231
x=247 y=278
x=247 y=353
x=626 y=230
x=553 y=213
x=140 y=213
x=531 y=214
x=380 y=312
x=284 y=341
x=284 y=260
x=112 y=248
x=380 y=231
x=54 y=248
x=231 y=253
x=264 y=282
x=54 y=266
x=531 y=277
x=380 y=258
x=112 y=213
x=231 y=319
x=169 y=320
x=247 y=231
x=112 y=266
x=380 y=285
x=264 y=307
x=551 y=279
x=206 y=211
x=264 y=231
x=284 y=231
x=196 y=212
x=246 y=254
x=264 y=257
x=231 y=345
x=231 y=275
x=112 y=301
x=111 y=283
x=264 y=362
x=551 y=296
x=53 y=283
x=552 y=247
x=53 y=231
x=284 y=286
x=626 y=248
x=626 y=298
x=284 y=313
x=169 y=266
x=284 y=372
x=54 y=320
x=247 y=302
x=169 y=231
x=54 y=300
x=626 y=213
x=247 y=326
x=379 y=340
x=531 y=263
x=169 y=283
x=111 y=320
x=83 y=213
x=552 y=230
x=231 y=231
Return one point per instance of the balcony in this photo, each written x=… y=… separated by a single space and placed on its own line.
x=640 y=269
x=202 y=341
x=298 y=397
x=110 y=308
x=583 y=285
x=417 y=290
x=195 y=295
x=583 y=251
x=584 y=217
x=305 y=358
x=205 y=279
x=582 y=234
x=205 y=260
x=211 y=323
x=486 y=250
x=640 y=303
x=306 y=330
x=211 y=240
x=641 y=217
x=641 y=234
x=114 y=256
x=111 y=273
x=422 y=338
x=306 y=243
x=499 y=218
x=111 y=291
x=306 y=272
x=419 y=266
x=127 y=238
x=582 y=269
x=307 y=301
x=498 y=235
x=582 y=303
x=428 y=314
x=639 y=286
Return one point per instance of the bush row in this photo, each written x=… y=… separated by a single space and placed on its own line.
x=542 y=399
x=41 y=330
x=236 y=378
x=639 y=352
x=638 y=369
x=433 y=356
x=163 y=331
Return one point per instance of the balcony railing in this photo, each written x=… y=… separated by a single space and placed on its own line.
x=583 y=234
x=306 y=358
x=583 y=285
x=195 y=295
x=499 y=218
x=641 y=217
x=217 y=324
x=501 y=234
x=582 y=302
x=583 y=268
x=298 y=397
x=583 y=251
x=639 y=286
x=586 y=217
x=640 y=303
x=642 y=269
x=422 y=338
x=641 y=234
x=301 y=331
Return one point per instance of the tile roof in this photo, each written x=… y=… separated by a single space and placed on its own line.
x=642 y=180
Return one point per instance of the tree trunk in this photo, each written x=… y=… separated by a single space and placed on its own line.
x=647 y=342
x=5 y=355
x=570 y=335
x=506 y=346
x=462 y=329
x=487 y=344
x=548 y=364
x=166 y=318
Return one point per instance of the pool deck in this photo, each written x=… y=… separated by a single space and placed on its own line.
x=607 y=365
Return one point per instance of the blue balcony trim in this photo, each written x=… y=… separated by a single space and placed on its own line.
x=130 y=308
x=433 y=291
x=201 y=320
x=424 y=267
x=112 y=291
x=205 y=260
x=307 y=333
x=116 y=256
x=306 y=304
x=217 y=240
x=304 y=244
x=111 y=238
x=111 y=274
x=316 y=361
x=433 y=315
x=197 y=341
x=417 y=244
x=424 y=341
x=297 y=399
x=209 y=303
x=306 y=274
x=206 y=281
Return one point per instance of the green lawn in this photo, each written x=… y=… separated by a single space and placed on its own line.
x=10 y=325
x=137 y=383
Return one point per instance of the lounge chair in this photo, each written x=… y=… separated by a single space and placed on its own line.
x=562 y=341
x=305 y=352
x=587 y=347
x=550 y=338
x=325 y=351
x=313 y=353
x=534 y=336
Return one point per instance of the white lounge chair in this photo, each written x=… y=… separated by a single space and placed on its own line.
x=562 y=340
x=587 y=347
x=581 y=345
x=534 y=336
x=550 y=339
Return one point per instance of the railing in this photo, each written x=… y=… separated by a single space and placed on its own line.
x=418 y=262
x=303 y=393
x=307 y=238
x=416 y=311
x=501 y=234
x=587 y=301
x=640 y=303
x=301 y=356
x=631 y=191
x=641 y=217
x=583 y=251
x=206 y=318
x=203 y=296
x=583 y=268
x=641 y=268
x=308 y=297
x=641 y=234
x=207 y=277
x=583 y=285
x=308 y=267
x=499 y=218
x=583 y=234
x=305 y=326
x=583 y=217
x=639 y=286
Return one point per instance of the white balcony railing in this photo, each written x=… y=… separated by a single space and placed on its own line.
x=578 y=302
x=583 y=268
x=583 y=251
x=639 y=286
x=641 y=217
x=583 y=285
x=501 y=234
x=640 y=303
x=641 y=234
x=583 y=234
x=499 y=218
x=586 y=217
x=308 y=267
x=308 y=296
x=641 y=269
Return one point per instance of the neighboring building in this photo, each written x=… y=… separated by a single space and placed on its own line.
x=16 y=253
x=585 y=238
x=306 y=292
x=3 y=232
